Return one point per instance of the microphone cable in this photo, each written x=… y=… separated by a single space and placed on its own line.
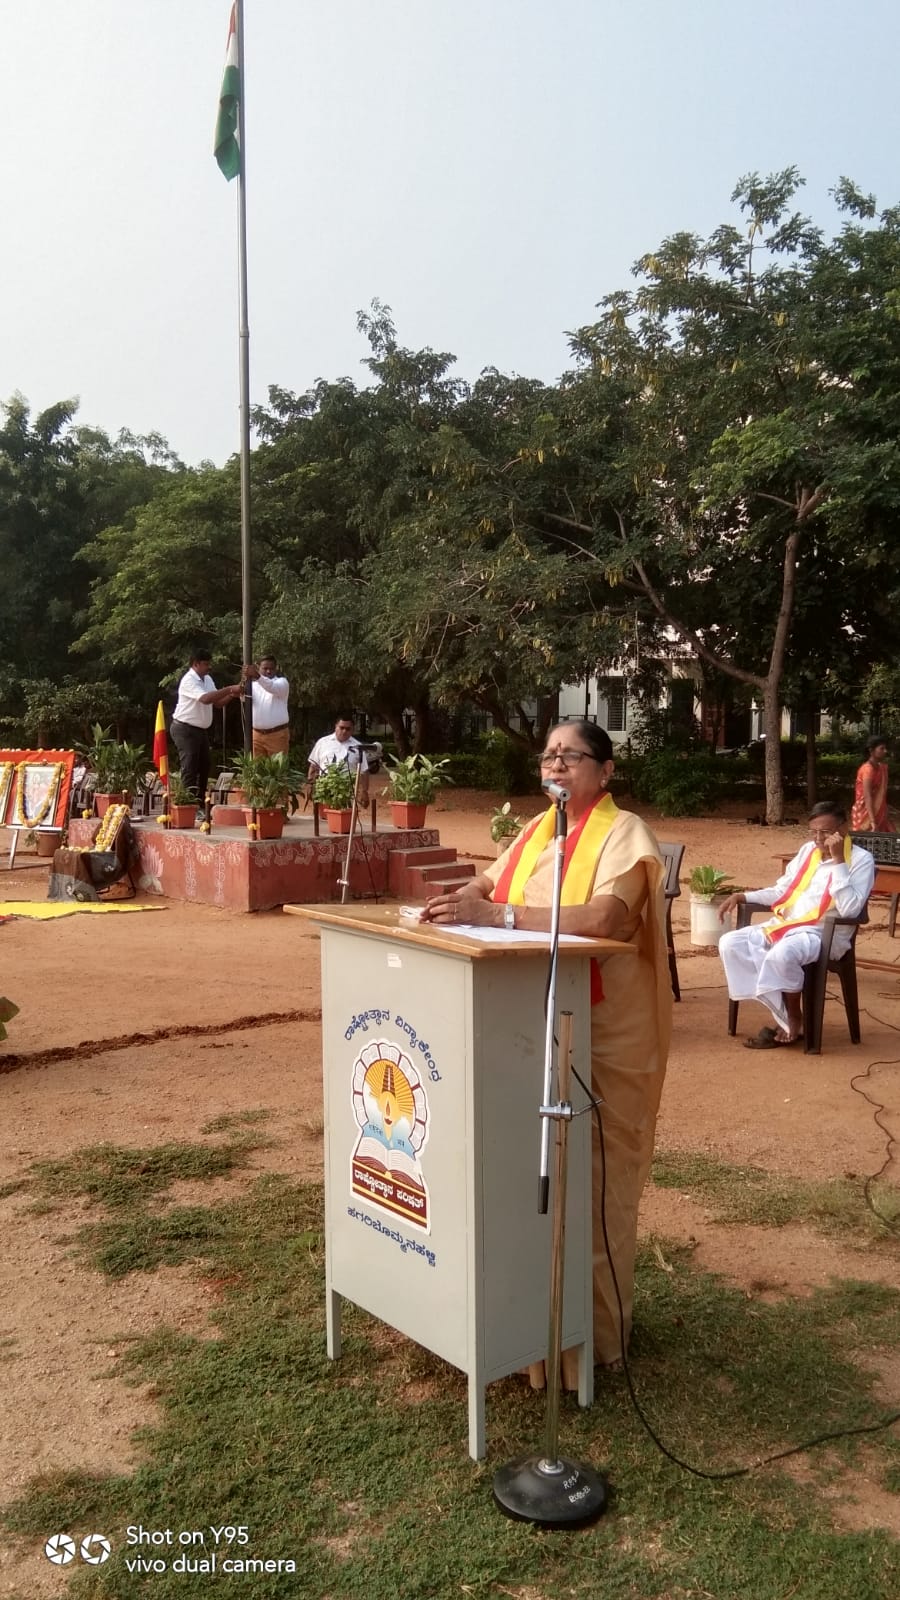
x=687 y=1466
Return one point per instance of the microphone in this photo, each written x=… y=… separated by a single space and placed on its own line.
x=556 y=790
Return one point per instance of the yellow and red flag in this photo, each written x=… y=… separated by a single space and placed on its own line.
x=161 y=746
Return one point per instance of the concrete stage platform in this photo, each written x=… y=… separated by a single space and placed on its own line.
x=226 y=868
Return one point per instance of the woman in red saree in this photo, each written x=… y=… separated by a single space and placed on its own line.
x=612 y=888
x=870 y=808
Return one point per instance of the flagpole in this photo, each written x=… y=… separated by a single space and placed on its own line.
x=244 y=354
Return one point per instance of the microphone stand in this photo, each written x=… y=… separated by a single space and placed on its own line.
x=354 y=813
x=551 y=1490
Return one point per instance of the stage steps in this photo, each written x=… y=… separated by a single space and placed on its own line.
x=421 y=870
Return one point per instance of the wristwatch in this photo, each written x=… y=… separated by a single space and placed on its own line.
x=509 y=918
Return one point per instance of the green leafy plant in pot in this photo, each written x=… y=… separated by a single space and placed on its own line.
x=182 y=810
x=504 y=825
x=334 y=793
x=119 y=768
x=271 y=786
x=709 y=887
x=414 y=783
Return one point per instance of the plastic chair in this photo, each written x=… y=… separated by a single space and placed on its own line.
x=815 y=979
x=672 y=855
x=885 y=847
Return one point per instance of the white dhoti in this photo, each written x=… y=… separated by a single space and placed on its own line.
x=758 y=970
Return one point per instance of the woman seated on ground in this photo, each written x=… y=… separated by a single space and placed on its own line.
x=613 y=889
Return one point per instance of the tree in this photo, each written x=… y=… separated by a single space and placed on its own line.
x=731 y=431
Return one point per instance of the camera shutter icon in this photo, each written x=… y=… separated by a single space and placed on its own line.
x=95 y=1549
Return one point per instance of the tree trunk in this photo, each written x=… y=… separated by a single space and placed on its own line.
x=772 y=731
x=811 y=781
x=423 y=726
x=398 y=729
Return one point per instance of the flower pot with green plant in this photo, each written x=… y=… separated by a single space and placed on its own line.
x=119 y=768
x=182 y=808
x=709 y=887
x=414 y=783
x=271 y=787
x=504 y=826
x=334 y=793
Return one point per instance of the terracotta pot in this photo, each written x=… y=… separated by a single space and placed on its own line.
x=183 y=816
x=406 y=815
x=47 y=843
x=338 y=821
x=102 y=802
x=269 y=823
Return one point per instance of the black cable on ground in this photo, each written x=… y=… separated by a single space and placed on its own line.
x=686 y=1466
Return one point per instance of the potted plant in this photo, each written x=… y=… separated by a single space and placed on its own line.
x=270 y=785
x=119 y=768
x=414 y=783
x=334 y=793
x=503 y=826
x=182 y=808
x=709 y=887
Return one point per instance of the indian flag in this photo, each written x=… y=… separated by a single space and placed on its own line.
x=227 y=146
x=161 y=746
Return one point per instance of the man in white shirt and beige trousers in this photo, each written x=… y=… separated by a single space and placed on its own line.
x=766 y=962
x=271 y=725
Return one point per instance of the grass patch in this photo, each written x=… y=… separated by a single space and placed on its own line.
x=121 y=1177
x=15 y=1186
x=229 y=1120
x=752 y=1195
x=357 y=1470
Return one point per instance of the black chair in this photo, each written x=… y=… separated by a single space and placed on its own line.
x=815 y=979
x=885 y=847
x=672 y=855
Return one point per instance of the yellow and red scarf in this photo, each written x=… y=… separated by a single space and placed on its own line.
x=783 y=922
x=583 y=845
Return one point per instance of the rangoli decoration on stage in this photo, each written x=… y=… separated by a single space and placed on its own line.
x=391 y=1109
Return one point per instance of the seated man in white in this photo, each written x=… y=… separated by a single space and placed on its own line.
x=765 y=961
x=341 y=745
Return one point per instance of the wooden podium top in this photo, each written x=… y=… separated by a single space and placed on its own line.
x=434 y=936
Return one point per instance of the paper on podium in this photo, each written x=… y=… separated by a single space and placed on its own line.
x=512 y=935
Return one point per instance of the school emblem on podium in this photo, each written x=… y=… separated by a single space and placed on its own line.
x=391 y=1109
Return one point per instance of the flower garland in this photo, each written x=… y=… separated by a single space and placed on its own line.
x=6 y=773
x=109 y=827
x=49 y=801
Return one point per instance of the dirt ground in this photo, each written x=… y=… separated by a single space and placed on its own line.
x=139 y=1029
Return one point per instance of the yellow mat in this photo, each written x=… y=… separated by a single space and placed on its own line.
x=43 y=910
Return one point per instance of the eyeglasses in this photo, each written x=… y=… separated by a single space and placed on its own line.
x=570 y=758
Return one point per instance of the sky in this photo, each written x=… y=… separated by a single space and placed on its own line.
x=488 y=168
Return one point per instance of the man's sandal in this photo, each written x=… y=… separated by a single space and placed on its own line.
x=767 y=1039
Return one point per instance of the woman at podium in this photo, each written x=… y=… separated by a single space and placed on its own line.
x=612 y=888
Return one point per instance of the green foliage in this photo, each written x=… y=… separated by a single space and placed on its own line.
x=233 y=1407
x=119 y=1177
x=505 y=765
x=179 y=793
x=503 y=824
x=269 y=783
x=416 y=779
x=117 y=766
x=334 y=787
x=678 y=785
x=710 y=881
x=763 y=1199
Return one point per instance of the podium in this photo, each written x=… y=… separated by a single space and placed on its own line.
x=433 y=1055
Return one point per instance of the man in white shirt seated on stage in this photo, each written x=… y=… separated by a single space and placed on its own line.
x=197 y=694
x=766 y=961
x=271 y=725
x=341 y=746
